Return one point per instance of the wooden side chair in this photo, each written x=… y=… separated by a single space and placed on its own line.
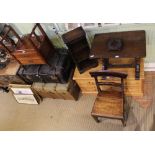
x=110 y=101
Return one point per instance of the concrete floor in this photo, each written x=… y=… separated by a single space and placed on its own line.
x=66 y=115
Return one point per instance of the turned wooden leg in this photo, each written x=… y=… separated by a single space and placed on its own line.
x=105 y=63
x=96 y=119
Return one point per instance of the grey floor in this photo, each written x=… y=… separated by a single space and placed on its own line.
x=66 y=115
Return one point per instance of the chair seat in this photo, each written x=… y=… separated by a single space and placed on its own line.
x=108 y=104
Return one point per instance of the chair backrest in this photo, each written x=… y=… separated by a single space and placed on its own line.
x=104 y=75
x=35 y=38
x=40 y=41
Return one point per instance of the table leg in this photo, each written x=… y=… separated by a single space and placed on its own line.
x=105 y=63
x=137 y=68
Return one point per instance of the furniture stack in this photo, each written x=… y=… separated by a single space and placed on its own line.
x=37 y=62
x=119 y=52
x=113 y=68
x=120 y=55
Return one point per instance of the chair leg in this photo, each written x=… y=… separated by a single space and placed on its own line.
x=123 y=122
x=126 y=113
x=96 y=119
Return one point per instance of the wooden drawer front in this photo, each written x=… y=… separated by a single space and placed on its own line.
x=136 y=84
x=25 y=53
x=32 y=61
x=29 y=57
x=87 y=85
x=134 y=94
x=135 y=88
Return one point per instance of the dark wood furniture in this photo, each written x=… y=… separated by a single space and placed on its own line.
x=110 y=101
x=79 y=49
x=130 y=44
x=34 y=48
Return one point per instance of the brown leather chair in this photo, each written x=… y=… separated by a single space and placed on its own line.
x=110 y=101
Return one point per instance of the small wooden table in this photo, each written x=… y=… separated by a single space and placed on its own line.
x=133 y=46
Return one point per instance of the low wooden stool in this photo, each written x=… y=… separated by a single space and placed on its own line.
x=110 y=101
